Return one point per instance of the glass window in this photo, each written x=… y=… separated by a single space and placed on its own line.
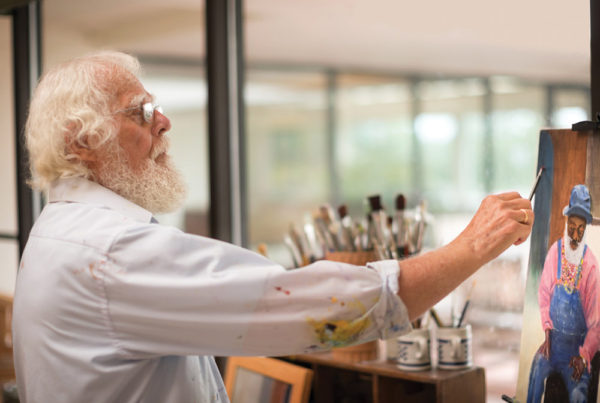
x=373 y=138
x=8 y=199
x=517 y=117
x=449 y=137
x=9 y=249
x=570 y=106
x=286 y=148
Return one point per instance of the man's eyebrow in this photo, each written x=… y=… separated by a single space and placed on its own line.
x=141 y=98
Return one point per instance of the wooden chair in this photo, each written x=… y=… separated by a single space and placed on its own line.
x=7 y=369
x=266 y=380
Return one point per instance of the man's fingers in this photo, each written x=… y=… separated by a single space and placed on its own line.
x=508 y=196
x=523 y=216
x=518 y=203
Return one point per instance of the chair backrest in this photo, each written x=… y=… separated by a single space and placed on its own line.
x=6 y=303
x=262 y=379
x=7 y=368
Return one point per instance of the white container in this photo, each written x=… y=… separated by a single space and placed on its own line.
x=455 y=347
x=413 y=350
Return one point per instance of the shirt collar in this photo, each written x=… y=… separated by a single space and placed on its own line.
x=81 y=190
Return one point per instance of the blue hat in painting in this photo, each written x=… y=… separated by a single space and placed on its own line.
x=580 y=203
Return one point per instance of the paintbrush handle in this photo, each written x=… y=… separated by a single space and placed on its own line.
x=462 y=315
x=436 y=318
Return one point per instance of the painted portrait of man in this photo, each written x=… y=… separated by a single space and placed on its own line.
x=569 y=306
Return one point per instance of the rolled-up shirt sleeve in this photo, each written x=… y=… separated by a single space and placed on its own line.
x=167 y=292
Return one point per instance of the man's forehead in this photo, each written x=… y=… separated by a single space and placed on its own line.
x=574 y=218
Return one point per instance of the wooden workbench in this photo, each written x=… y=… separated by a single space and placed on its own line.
x=381 y=381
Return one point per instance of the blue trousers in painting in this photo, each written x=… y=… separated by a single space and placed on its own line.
x=567 y=336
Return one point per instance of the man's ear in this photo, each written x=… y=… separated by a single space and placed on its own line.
x=83 y=151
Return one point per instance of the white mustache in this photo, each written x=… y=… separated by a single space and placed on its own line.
x=159 y=148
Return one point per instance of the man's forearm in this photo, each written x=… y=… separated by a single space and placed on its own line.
x=498 y=223
x=426 y=279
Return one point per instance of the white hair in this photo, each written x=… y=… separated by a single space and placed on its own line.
x=74 y=104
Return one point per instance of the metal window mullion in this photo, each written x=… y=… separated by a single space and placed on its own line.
x=225 y=74
x=27 y=67
x=331 y=138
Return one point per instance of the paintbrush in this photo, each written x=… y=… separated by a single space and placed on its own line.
x=296 y=257
x=301 y=244
x=537 y=181
x=330 y=226
x=418 y=231
x=464 y=310
x=436 y=318
x=391 y=244
x=379 y=224
x=347 y=226
x=314 y=241
x=401 y=227
x=323 y=232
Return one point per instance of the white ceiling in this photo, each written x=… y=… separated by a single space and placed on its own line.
x=543 y=39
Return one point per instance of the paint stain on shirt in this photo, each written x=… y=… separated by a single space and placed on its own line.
x=341 y=332
x=96 y=267
x=286 y=292
x=91 y=267
x=338 y=333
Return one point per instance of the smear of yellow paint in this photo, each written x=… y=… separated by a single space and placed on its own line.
x=334 y=300
x=337 y=333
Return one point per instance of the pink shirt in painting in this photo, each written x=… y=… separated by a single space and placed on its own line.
x=588 y=292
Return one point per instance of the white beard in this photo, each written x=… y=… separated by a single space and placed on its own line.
x=158 y=187
x=573 y=256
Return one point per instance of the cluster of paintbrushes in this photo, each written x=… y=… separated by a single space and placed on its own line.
x=389 y=236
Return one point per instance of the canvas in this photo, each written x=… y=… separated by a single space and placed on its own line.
x=561 y=317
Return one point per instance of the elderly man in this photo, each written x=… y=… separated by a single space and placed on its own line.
x=568 y=300
x=110 y=306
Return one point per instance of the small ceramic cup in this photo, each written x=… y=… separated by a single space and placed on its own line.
x=413 y=351
x=455 y=347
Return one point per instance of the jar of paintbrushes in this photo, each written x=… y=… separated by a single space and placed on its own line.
x=377 y=235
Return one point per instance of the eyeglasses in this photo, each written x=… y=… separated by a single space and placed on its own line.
x=147 y=110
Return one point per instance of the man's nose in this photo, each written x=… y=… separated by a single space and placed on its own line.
x=161 y=125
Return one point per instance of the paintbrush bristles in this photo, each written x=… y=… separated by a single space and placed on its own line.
x=375 y=203
x=326 y=230
x=343 y=211
x=400 y=202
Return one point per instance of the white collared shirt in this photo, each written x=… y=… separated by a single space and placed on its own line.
x=112 y=308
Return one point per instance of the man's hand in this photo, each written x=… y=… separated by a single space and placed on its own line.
x=502 y=220
x=578 y=365
x=544 y=349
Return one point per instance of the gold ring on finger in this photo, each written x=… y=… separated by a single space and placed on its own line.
x=526 y=219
